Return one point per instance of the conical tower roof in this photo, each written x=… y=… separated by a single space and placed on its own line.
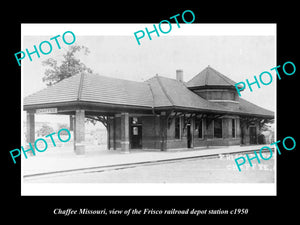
x=210 y=77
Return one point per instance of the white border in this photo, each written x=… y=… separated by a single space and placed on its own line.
x=117 y=189
x=129 y=29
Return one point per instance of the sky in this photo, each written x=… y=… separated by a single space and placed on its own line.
x=238 y=57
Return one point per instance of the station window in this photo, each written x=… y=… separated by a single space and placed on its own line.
x=233 y=97
x=177 y=127
x=233 y=128
x=199 y=128
x=135 y=131
x=218 y=128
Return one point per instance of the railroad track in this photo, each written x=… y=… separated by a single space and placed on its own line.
x=98 y=169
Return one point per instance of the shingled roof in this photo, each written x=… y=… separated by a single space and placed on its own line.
x=172 y=93
x=210 y=77
x=157 y=93
x=94 y=88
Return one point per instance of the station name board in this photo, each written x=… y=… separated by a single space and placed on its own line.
x=46 y=110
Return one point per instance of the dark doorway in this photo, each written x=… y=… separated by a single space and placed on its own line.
x=136 y=136
x=189 y=136
x=253 y=138
x=242 y=135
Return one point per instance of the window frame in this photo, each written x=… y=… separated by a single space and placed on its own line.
x=214 y=133
x=198 y=122
x=177 y=137
x=233 y=128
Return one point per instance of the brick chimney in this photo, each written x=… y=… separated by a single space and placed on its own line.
x=179 y=75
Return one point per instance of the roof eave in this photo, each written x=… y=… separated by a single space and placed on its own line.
x=121 y=108
x=73 y=105
x=211 y=87
x=213 y=111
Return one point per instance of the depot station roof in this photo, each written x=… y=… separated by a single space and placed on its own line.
x=157 y=93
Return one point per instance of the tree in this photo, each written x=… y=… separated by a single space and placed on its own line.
x=69 y=66
x=45 y=130
x=63 y=126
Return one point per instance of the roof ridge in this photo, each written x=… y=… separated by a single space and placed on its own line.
x=80 y=86
x=206 y=76
x=116 y=78
x=152 y=94
x=164 y=91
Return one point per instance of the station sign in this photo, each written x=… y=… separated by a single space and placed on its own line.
x=46 y=110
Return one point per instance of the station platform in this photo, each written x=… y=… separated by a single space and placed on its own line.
x=63 y=159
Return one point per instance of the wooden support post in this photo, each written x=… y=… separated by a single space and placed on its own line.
x=71 y=119
x=114 y=133
x=192 y=131
x=108 y=132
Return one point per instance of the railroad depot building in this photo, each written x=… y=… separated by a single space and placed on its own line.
x=158 y=114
